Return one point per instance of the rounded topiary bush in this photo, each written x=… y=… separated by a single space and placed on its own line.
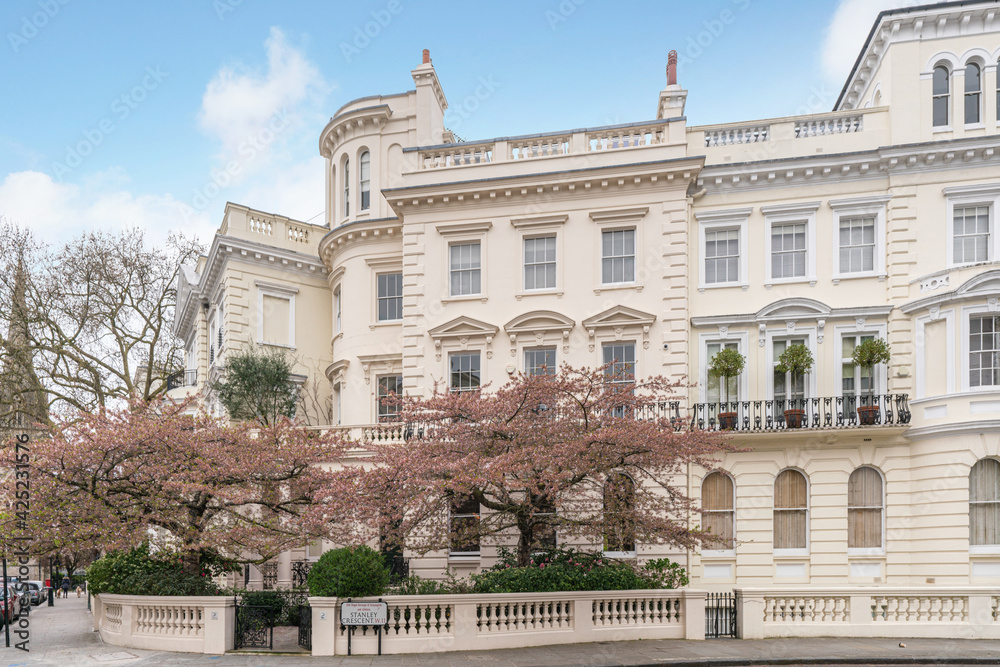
x=350 y=572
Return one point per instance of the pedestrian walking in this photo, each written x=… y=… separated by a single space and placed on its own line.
x=65 y=586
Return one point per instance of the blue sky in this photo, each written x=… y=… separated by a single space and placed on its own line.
x=126 y=113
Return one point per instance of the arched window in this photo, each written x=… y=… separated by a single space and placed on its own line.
x=941 y=97
x=366 y=182
x=865 y=509
x=998 y=90
x=718 y=514
x=347 y=187
x=791 y=510
x=973 y=93
x=984 y=503
x=619 y=525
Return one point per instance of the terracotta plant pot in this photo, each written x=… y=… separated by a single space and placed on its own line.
x=868 y=415
x=793 y=418
x=727 y=421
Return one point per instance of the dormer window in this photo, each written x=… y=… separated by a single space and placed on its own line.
x=940 y=96
x=973 y=93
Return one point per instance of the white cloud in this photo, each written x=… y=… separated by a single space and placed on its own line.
x=241 y=102
x=56 y=211
x=846 y=33
x=295 y=190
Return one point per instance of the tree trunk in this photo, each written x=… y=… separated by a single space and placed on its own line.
x=524 y=545
x=191 y=562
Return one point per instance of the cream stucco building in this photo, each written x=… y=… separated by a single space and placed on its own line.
x=658 y=243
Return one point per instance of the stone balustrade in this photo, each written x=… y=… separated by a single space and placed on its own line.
x=271 y=230
x=511 y=149
x=203 y=624
x=818 y=127
x=871 y=611
x=438 y=623
x=729 y=136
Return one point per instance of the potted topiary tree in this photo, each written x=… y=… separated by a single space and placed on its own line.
x=797 y=360
x=727 y=363
x=868 y=355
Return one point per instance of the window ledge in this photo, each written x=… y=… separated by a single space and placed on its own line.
x=855 y=276
x=464 y=558
x=717 y=554
x=976 y=126
x=985 y=550
x=385 y=323
x=619 y=554
x=790 y=281
x=865 y=552
x=702 y=288
x=466 y=297
x=942 y=128
x=618 y=286
x=538 y=292
x=791 y=553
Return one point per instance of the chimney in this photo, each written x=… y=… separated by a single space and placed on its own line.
x=427 y=56
x=430 y=103
x=673 y=97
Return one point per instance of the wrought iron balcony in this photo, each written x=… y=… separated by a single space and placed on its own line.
x=186 y=378
x=824 y=412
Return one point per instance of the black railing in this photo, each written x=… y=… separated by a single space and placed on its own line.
x=269 y=572
x=254 y=626
x=305 y=627
x=720 y=615
x=188 y=378
x=805 y=413
x=300 y=573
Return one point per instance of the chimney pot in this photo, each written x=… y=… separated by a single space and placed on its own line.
x=427 y=56
x=672 y=68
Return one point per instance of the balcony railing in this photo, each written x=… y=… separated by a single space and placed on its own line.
x=827 y=412
x=186 y=378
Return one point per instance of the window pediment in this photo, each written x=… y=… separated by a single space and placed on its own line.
x=620 y=319
x=984 y=285
x=460 y=330
x=536 y=324
x=793 y=308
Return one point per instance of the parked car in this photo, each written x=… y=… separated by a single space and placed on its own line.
x=36 y=592
x=13 y=604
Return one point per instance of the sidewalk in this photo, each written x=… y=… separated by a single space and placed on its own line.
x=62 y=636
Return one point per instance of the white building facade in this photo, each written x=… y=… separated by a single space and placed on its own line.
x=657 y=244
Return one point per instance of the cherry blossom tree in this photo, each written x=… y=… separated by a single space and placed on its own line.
x=592 y=456
x=117 y=478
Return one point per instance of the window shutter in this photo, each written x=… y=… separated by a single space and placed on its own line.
x=864 y=509
x=791 y=512
x=984 y=503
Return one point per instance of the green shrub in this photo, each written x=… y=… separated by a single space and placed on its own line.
x=561 y=570
x=415 y=585
x=664 y=573
x=271 y=599
x=348 y=573
x=140 y=572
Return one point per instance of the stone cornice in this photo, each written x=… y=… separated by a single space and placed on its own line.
x=362 y=231
x=812 y=170
x=908 y=24
x=343 y=127
x=569 y=184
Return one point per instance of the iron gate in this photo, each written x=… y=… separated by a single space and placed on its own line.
x=254 y=626
x=720 y=615
x=305 y=627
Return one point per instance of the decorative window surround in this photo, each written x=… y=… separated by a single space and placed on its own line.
x=972 y=195
x=454 y=336
x=536 y=226
x=870 y=551
x=790 y=331
x=801 y=212
x=382 y=364
x=381 y=265
x=860 y=327
x=723 y=335
x=462 y=233
x=617 y=323
x=856 y=207
x=278 y=292
x=991 y=307
x=620 y=219
x=934 y=314
x=539 y=328
x=336 y=371
x=736 y=218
